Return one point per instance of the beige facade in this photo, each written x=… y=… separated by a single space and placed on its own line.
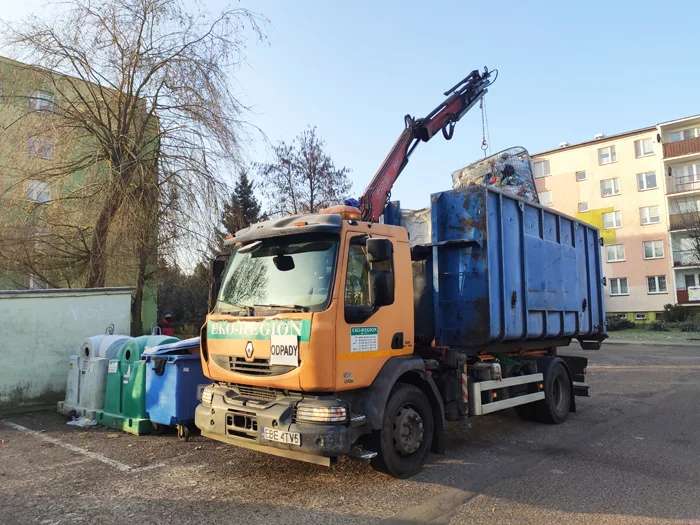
x=616 y=183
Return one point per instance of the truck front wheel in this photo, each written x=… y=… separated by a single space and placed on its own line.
x=405 y=438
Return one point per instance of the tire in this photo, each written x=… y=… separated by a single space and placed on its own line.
x=555 y=407
x=183 y=432
x=526 y=412
x=408 y=417
x=158 y=428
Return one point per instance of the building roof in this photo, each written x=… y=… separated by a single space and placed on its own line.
x=679 y=121
x=596 y=141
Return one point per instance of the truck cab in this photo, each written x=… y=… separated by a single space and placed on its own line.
x=307 y=314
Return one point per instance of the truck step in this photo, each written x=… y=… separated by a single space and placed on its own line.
x=581 y=390
x=357 y=420
x=361 y=454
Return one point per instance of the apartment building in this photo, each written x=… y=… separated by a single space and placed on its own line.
x=43 y=204
x=616 y=183
x=680 y=164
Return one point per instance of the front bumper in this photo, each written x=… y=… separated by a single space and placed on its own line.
x=236 y=419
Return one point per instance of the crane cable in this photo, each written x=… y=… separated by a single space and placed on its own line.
x=485 y=145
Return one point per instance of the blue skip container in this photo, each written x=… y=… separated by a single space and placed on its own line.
x=174 y=384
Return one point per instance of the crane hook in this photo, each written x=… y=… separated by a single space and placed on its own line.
x=448 y=128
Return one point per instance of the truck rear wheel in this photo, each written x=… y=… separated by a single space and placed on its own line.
x=405 y=438
x=557 y=396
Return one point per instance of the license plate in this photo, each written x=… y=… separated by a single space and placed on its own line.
x=290 y=438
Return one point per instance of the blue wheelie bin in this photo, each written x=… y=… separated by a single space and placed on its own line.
x=174 y=383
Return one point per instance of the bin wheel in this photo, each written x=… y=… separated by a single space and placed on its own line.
x=183 y=432
x=158 y=428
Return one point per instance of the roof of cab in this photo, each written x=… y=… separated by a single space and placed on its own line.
x=315 y=223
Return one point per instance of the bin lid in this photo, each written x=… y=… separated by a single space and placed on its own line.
x=181 y=347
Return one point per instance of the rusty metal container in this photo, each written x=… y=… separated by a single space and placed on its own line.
x=501 y=271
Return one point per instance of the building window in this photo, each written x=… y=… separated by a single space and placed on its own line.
x=609 y=187
x=690 y=172
x=41 y=101
x=607 y=155
x=654 y=250
x=38 y=147
x=545 y=198
x=38 y=191
x=582 y=207
x=615 y=253
x=640 y=317
x=649 y=215
x=619 y=286
x=646 y=181
x=541 y=169
x=580 y=175
x=689 y=280
x=685 y=134
x=656 y=284
x=612 y=220
x=643 y=147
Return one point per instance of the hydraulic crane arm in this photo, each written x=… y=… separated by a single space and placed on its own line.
x=460 y=99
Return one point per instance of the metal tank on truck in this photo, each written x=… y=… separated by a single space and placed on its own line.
x=333 y=334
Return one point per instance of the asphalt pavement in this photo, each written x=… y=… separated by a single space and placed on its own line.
x=630 y=454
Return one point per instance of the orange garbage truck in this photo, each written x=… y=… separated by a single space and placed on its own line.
x=336 y=334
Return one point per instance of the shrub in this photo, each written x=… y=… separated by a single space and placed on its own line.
x=188 y=331
x=690 y=326
x=658 y=326
x=675 y=313
x=620 y=323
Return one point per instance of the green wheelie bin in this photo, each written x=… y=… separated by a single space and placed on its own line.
x=125 y=397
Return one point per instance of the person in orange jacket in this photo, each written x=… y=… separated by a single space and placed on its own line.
x=166 y=324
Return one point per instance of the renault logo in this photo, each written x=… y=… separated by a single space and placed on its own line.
x=249 y=350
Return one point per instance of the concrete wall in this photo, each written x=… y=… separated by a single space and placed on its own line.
x=41 y=329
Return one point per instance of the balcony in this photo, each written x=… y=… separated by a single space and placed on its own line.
x=685 y=258
x=683 y=297
x=681 y=148
x=681 y=184
x=684 y=221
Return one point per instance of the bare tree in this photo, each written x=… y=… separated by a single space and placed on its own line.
x=138 y=95
x=684 y=215
x=302 y=178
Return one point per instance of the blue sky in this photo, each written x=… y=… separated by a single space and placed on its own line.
x=568 y=70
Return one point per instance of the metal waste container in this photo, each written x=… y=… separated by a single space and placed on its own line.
x=87 y=375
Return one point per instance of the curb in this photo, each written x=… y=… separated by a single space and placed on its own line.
x=4 y=412
x=679 y=342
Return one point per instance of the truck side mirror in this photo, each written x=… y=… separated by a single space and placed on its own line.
x=381 y=287
x=379 y=249
x=217 y=270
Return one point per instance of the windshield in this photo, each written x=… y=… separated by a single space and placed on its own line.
x=295 y=272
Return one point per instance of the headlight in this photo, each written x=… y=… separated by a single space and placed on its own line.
x=207 y=396
x=321 y=414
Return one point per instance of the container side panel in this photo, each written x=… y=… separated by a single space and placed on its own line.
x=506 y=270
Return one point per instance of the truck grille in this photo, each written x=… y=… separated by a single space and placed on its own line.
x=258 y=367
x=255 y=392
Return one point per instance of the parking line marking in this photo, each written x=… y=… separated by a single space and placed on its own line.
x=92 y=455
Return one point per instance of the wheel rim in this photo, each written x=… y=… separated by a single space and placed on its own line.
x=558 y=395
x=408 y=431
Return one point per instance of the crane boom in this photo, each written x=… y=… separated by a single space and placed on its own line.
x=460 y=99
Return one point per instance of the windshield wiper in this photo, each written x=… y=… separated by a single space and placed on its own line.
x=285 y=306
x=248 y=309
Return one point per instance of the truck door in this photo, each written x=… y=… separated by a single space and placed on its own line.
x=368 y=336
